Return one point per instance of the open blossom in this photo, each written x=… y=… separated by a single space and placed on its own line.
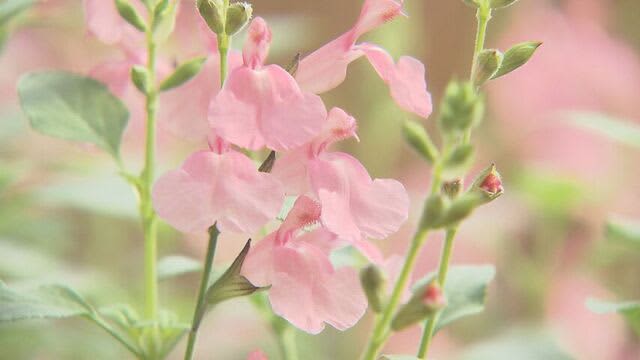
x=326 y=68
x=358 y=207
x=262 y=105
x=305 y=287
x=215 y=187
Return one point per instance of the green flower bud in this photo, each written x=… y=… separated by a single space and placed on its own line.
x=496 y=4
x=212 y=13
x=473 y=3
x=417 y=137
x=461 y=109
x=129 y=13
x=140 y=78
x=487 y=65
x=434 y=208
x=373 y=282
x=426 y=301
x=517 y=56
x=183 y=73
x=238 y=15
x=457 y=162
x=461 y=208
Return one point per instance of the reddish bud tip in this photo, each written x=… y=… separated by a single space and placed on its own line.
x=492 y=183
x=433 y=296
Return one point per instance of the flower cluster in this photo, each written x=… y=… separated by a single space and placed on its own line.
x=263 y=106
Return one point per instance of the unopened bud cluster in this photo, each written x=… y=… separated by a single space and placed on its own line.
x=224 y=20
x=426 y=301
x=461 y=109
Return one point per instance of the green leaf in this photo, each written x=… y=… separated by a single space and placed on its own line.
x=231 y=284
x=12 y=8
x=417 y=137
x=517 y=56
x=517 y=344
x=624 y=231
x=183 y=73
x=619 y=130
x=175 y=265
x=129 y=13
x=73 y=107
x=44 y=302
x=465 y=290
x=629 y=310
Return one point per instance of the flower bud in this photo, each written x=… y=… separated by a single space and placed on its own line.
x=212 y=13
x=417 y=137
x=140 y=78
x=496 y=4
x=517 y=56
x=460 y=209
x=426 y=301
x=488 y=183
x=130 y=15
x=457 y=162
x=461 y=109
x=433 y=297
x=434 y=207
x=487 y=65
x=472 y=3
x=452 y=188
x=238 y=15
x=373 y=282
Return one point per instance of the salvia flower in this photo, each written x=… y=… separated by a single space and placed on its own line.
x=306 y=289
x=262 y=105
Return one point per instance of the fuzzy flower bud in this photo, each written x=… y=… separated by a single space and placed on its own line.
x=487 y=65
x=433 y=297
x=488 y=183
x=461 y=109
x=238 y=15
x=517 y=56
x=417 y=137
x=373 y=282
x=212 y=13
x=426 y=301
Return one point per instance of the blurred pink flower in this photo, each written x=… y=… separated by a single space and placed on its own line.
x=326 y=68
x=263 y=105
x=305 y=287
x=357 y=207
x=225 y=188
x=257 y=355
x=105 y=23
x=579 y=67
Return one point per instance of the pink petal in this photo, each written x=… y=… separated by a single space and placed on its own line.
x=376 y=208
x=256 y=48
x=265 y=107
x=225 y=188
x=308 y=292
x=406 y=79
x=326 y=68
x=105 y=23
x=257 y=355
x=115 y=74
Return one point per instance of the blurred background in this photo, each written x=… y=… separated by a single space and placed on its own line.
x=66 y=216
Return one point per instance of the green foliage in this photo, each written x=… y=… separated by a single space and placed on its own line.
x=44 y=302
x=129 y=13
x=140 y=78
x=520 y=345
x=175 y=265
x=465 y=291
x=183 y=73
x=624 y=231
x=9 y=9
x=629 y=310
x=73 y=107
x=418 y=138
x=487 y=66
x=618 y=130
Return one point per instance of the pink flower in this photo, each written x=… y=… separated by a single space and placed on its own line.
x=257 y=355
x=357 y=206
x=263 y=105
x=305 y=287
x=105 y=23
x=224 y=188
x=326 y=68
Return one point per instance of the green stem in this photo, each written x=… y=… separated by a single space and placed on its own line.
x=201 y=305
x=287 y=342
x=430 y=324
x=116 y=335
x=381 y=330
x=483 y=15
x=146 y=182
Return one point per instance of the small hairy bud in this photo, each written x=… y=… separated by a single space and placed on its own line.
x=238 y=15
x=212 y=13
x=517 y=56
x=461 y=109
x=373 y=282
x=487 y=65
x=417 y=137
